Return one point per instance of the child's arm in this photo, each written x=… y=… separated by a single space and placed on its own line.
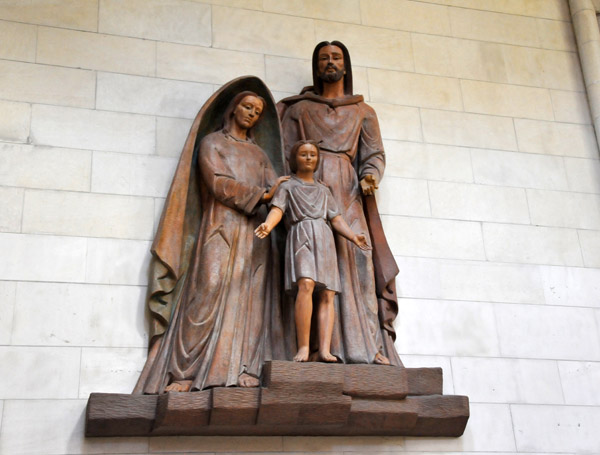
x=341 y=227
x=273 y=219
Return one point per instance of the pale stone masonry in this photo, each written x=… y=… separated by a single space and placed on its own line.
x=491 y=201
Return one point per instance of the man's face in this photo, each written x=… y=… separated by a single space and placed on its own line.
x=331 y=63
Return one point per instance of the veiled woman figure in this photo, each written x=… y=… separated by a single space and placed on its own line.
x=215 y=286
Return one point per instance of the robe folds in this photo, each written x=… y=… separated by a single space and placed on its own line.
x=214 y=290
x=351 y=148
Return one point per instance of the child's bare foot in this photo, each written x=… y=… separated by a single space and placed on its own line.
x=380 y=359
x=301 y=355
x=245 y=380
x=179 y=386
x=327 y=357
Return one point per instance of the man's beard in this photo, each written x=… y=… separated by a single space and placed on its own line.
x=332 y=77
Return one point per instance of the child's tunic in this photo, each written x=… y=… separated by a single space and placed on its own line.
x=310 y=247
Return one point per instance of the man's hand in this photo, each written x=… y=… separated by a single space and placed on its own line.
x=368 y=185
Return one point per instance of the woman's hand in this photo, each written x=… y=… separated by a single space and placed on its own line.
x=262 y=231
x=360 y=240
x=269 y=194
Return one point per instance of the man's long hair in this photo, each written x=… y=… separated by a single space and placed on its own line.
x=317 y=81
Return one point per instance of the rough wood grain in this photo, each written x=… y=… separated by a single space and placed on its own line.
x=109 y=413
x=234 y=406
x=381 y=382
x=424 y=381
x=183 y=411
x=295 y=399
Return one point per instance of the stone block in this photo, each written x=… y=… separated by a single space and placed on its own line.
x=247 y=4
x=549 y=9
x=14 y=121
x=90 y=129
x=226 y=444
x=397 y=196
x=507 y=380
x=570 y=107
x=399 y=122
x=8 y=293
x=87 y=214
x=531 y=245
x=590 y=248
x=75 y=14
x=96 y=51
x=405 y=15
x=18 y=41
x=424 y=237
x=580 y=382
x=432 y=54
x=553 y=138
x=470 y=130
x=117 y=261
x=372 y=47
x=561 y=70
x=489 y=430
x=54 y=427
x=556 y=35
x=135 y=175
x=448 y=328
x=110 y=370
x=11 y=200
x=465 y=280
x=427 y=161
x=143 y=95
x=45 y=167
x=336 y=445
x=235 y=29
x=561 y=209
x=507 y=100
x=39 y=372
x=171 y=134
x=523 y=65
x=334 y=10
x=583 y=175
x=161 y=20
x=491 y=167
x=425 y=91
x=46 y=84
x=289 y=74
x=547 y=332
x=204 y=64
x=556 y=428
x=571 y=286
x=42 y=257
x=462 y=201
x=495 y=27
x=82 y=319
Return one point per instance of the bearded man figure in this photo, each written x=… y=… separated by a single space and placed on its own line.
x=352 y=165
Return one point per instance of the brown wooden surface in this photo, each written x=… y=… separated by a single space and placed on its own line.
x=295 y=399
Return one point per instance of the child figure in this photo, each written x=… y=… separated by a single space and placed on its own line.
x=310 y=254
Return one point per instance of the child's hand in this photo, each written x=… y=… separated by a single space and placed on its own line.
x=269 y=194
x=262 y=231
x=360 y=241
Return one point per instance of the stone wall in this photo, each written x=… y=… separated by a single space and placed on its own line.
x=491 y=201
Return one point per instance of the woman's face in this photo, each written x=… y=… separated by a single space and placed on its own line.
x=247 y=112
x=307 y=158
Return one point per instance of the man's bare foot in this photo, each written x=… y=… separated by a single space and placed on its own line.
x=327 y=357
x=245 y=380
x=380 y=359
x=179 y=386
x=301 y=355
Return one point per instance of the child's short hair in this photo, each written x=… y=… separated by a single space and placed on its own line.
x=294 y=152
